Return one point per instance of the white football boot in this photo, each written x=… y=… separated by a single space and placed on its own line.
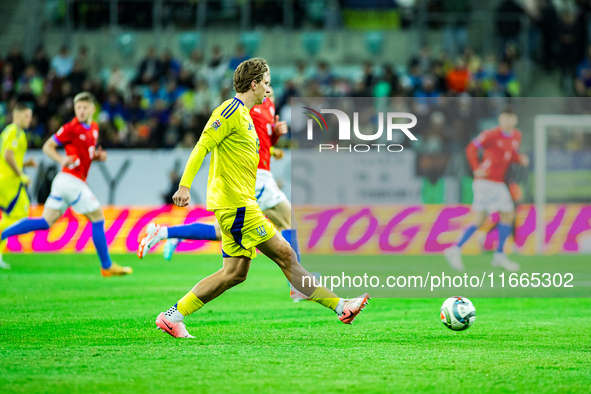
x=453 y=254
x=501 y=260
x=3 y=264
x=154 y=234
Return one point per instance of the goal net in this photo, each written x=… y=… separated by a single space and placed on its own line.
x=562 y=176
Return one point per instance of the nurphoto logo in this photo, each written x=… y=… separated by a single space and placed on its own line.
x=345 y=128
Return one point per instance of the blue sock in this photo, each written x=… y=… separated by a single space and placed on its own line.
x=100 y=243
x=195 y=230
x=504 y=232
x=292 y=237
x=467 y=234
x=24 y=226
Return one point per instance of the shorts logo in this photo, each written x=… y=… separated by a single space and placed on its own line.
x=261 y=231
x=216 y=125
x=250 y=126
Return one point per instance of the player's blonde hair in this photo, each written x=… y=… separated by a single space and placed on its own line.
x=84 y=96
x=20 y=106
x=248 y=71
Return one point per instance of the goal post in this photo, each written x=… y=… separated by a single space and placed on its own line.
x=542 y=123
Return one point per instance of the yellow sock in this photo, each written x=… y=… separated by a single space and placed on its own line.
x=325 y=297
x=5 y=222
x=189 y=304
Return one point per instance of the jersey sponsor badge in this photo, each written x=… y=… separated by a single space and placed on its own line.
x=216 y=125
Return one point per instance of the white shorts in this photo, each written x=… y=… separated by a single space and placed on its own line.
x=67 y=190
x=266 y=190
x=491 y=197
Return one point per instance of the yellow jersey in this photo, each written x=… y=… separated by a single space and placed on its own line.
x=231 y=138
x=14 y=139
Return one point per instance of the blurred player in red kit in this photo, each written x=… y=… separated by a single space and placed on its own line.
x=500 y=149
x=69 y=189
x=515 y=171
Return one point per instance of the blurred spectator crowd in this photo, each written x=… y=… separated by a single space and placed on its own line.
x=166 y=101
x=183 y=14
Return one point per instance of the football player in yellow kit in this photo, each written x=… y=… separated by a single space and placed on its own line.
x=231 y=139
x=14 y=202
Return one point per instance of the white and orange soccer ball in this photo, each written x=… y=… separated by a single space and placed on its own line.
x=457 y=313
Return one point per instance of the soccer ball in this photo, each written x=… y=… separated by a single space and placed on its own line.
x=458 y=313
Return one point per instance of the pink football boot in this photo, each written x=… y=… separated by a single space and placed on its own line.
x=177 y=330
x=353 y=307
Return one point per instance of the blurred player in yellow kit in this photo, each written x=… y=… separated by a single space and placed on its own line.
x=231 y=139
x=14 y=202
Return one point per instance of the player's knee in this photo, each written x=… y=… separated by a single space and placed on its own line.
x=50 y=220
x=480 y=220
x=96 y=216
x=238 y=277
x=235 y=276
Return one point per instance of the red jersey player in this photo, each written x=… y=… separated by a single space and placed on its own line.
x=270 y=198
x=500 y=149
x=69 y=188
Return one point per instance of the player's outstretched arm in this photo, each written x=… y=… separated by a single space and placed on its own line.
x=206 y=143
x=193 y=165
x=11 y=160
x=472 y=156
x=182 y=197
x=50 y=149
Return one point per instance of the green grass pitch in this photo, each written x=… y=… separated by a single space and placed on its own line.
x=64 y=328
